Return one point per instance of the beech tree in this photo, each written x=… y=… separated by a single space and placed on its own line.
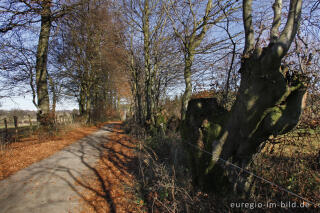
x=269 y=102
x=41 y=62
x=91 y=59
x=19 y=15
x=190 y=27
x=148 y=22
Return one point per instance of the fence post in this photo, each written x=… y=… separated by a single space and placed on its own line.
x=30 y=122
x=6 y=128
x=15 y=120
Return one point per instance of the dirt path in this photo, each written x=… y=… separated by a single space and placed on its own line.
x=51 y=184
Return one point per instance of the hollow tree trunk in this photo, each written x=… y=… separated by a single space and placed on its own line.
x=41 y=64
x=270 y=101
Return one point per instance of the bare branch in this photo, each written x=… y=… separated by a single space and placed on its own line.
x=248 y=28
x=205 y=20
x=175 y=29
x=274 y=33
x=292 y=25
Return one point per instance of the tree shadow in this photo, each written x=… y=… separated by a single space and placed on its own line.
x=63 y=181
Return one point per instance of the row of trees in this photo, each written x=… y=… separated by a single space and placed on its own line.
x=171 y=34
x=79 y=54
x=84 y=46
x=104 y=53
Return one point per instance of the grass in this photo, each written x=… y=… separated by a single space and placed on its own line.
x=11 y=126
x=291 y=162
x=152 y=175
x=288 y=160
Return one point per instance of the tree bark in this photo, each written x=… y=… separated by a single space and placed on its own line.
x=41 y=64
x=147 y=62
x=81 y=102
x=88 y=107
x=136 y=92
x=190 y=42
x=54 y=96
x=188 y=89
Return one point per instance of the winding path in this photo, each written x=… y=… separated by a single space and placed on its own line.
x=49 y=185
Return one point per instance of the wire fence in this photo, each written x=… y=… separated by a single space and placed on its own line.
x=281 y=188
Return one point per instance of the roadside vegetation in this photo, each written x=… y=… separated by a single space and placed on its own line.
x=222 y=96
x=290 y=162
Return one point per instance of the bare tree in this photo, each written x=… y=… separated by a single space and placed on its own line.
x=17 y=65
x=190 y=27
x=148 y=20
x=19 y=15
x=91 y=57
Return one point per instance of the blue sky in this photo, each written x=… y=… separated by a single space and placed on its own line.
x=25 y=103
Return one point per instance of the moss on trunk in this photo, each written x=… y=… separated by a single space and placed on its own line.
x=262 y=108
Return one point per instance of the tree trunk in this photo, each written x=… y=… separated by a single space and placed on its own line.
x=54 y=96
x=188 y=90
x=41 y=64
x=269 y=102
x=136 y=92
x=88 y=108
x=147 y=65
x=81 y=102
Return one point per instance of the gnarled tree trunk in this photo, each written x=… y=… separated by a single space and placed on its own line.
x=269 y=102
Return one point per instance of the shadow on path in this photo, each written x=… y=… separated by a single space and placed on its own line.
x=60 y=182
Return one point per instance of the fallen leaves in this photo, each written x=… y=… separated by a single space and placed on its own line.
x=22 y=154
x=111 y=189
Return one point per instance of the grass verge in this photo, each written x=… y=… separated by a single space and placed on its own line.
x=289 y=161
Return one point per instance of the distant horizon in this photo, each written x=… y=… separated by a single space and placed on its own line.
x=25 y=103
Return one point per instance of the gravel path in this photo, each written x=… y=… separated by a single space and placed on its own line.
x=49 y=185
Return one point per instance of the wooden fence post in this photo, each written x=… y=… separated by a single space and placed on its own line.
x=6 y=128
x=30 y=122
x=15 y=120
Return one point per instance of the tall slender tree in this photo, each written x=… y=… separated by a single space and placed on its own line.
x=148 y=19
x=20 y=15
x=41 y=62
x=190 y=26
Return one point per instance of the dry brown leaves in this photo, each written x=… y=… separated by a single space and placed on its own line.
x=21 y=154
x=112 y=187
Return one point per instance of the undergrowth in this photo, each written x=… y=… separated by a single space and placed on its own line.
x=289 y=161
x=166 y=181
